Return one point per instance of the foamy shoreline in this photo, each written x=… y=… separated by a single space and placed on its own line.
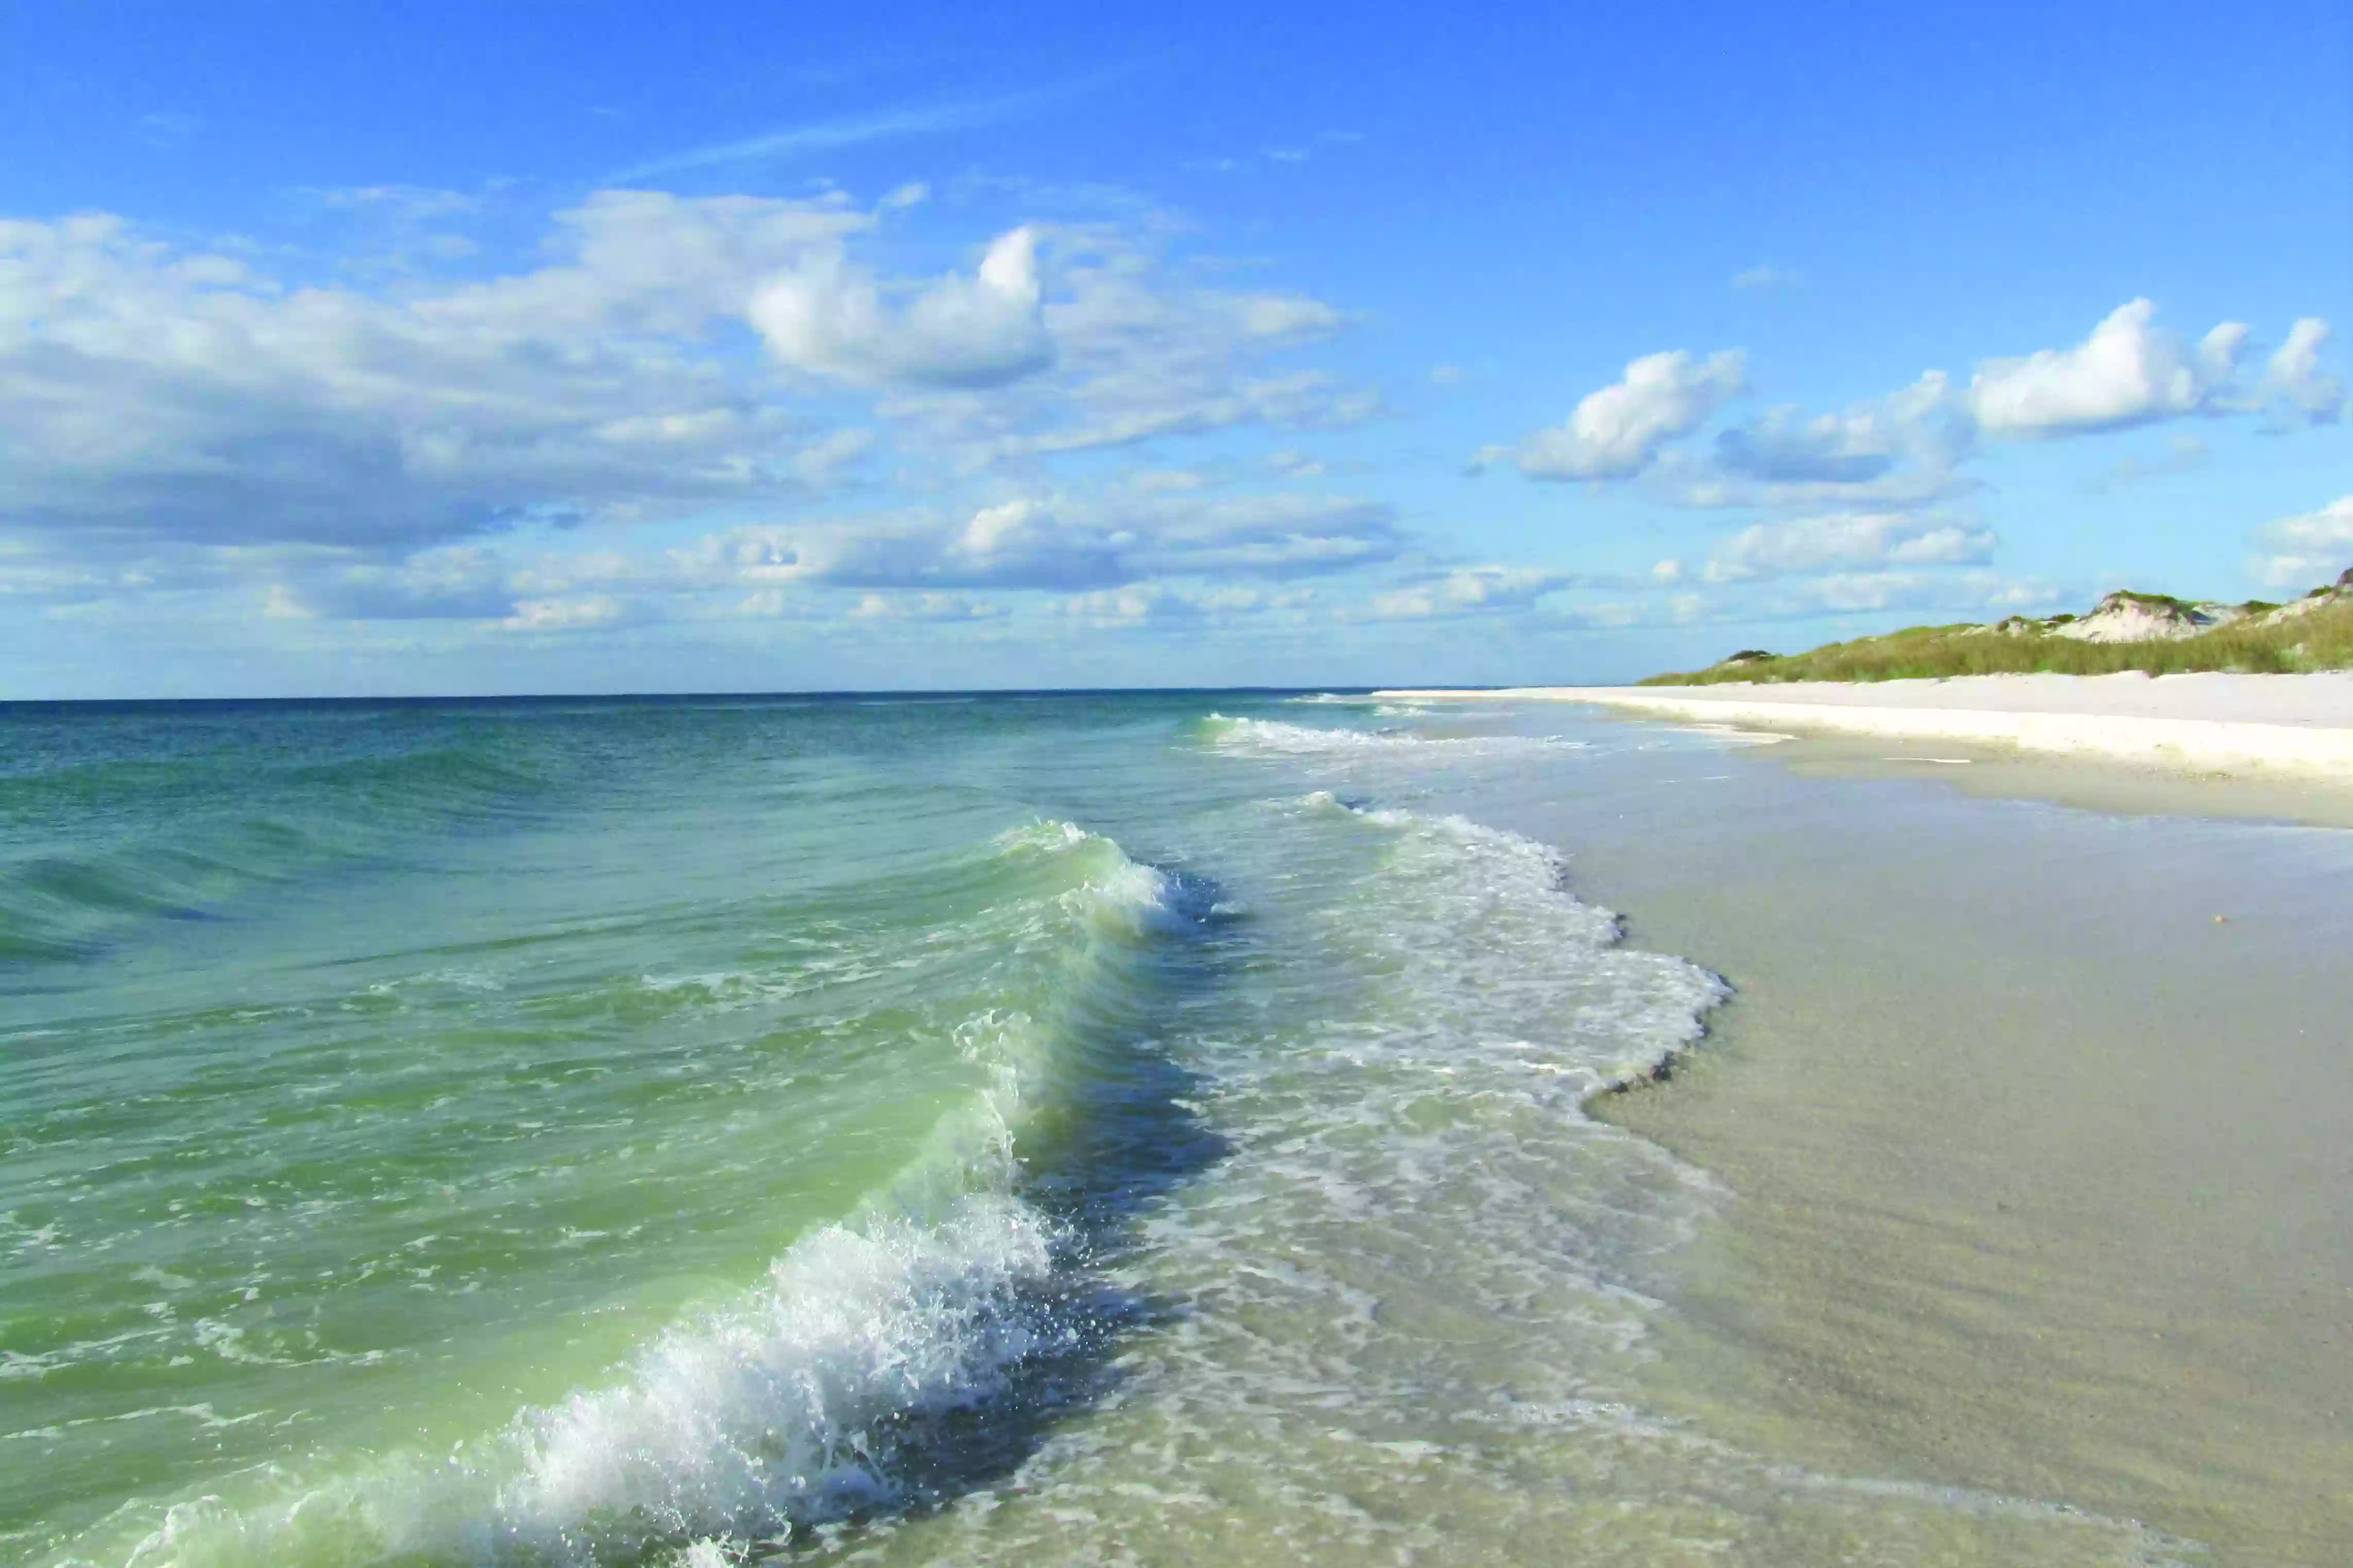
x=2299 y=725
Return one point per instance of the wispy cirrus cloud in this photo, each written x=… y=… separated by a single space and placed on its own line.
x=859 y=130
x=1765 y=276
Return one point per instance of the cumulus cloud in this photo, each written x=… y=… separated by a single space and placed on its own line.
x=1288 y=318
x=1059 y=542
x=1786 y=446
x=1615 y=432
x=187 y=395
x=1214 y=552
x=1138 y=603
x=1851 y=593
x=2307 y=550
x=1128 y=606
x=1905 y=448
x=829 y=316
x=2129 y=371
x=924 y=608
x=458 y=583
x=1974 y=592
x=1897 y=450
x=595 y=613
x=181 y=419
x=2294 y=375
x=1470 y=590
x=1139 y=357
x=1619 y=615
x=1278 y=535
x=1847 y=540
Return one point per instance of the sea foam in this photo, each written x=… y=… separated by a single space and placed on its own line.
x=1274 y=737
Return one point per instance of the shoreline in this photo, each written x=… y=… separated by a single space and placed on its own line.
x=2288 y=727
x=2004 y=1110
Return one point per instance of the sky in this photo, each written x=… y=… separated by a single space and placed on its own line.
x=417 y=348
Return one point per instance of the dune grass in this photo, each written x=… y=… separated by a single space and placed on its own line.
x=2321 y=638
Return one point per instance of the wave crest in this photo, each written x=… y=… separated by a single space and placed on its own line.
x=1274 y=737
x=843 y=1383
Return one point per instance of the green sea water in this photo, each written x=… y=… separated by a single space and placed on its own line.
x=1086 y=1128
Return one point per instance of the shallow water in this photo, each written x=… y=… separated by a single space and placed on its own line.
x=1090 y=1128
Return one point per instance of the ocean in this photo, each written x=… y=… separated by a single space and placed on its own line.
x=1085 y=1128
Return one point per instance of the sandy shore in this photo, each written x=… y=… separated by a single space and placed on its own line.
x=2039 y=1165
x=2282 y=725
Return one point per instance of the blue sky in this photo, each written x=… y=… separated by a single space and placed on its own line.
x=453 y=349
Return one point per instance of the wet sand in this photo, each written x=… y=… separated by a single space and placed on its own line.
x=2041 y=1169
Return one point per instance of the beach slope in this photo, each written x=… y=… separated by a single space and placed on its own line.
x=2289 y=725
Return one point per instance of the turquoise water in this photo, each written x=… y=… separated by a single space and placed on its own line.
x=1055 y=1129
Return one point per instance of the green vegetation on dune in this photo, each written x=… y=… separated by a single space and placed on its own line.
x=2265 y=639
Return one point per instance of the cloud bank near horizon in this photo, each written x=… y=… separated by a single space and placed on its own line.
x=699 y=410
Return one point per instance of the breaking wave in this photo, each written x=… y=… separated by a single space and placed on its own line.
x=853 y=1377
x=1274 y=737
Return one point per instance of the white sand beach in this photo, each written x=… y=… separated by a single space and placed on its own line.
x=2032 y=1120
x=2286 y=725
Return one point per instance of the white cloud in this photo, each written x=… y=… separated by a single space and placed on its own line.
x=1123 y=607
x=1226 y=553
x=1137 y=603
x=1786 y=446
x=1059 y=541
x=458 y=583
x=1288 y=318
x=1470 y=590
x=2294 y=377
x=2305 y=550
x=1964 y=593
x=1896 y=450
x=1294 y=465
x=1167 y=482
x=1488 y=587
x=859 y=130
x=924 y=608
x=2128 y=372
x=599 y=612
x=1619 y=615
x=829 y=317
x=1763 y=276
x=1905 y=448
x=185 y=396
x=2218 y=352
x=1847 y=540
x=1615 y=432
x=1405 y=605
x=162 y=409
x=1139 y=357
